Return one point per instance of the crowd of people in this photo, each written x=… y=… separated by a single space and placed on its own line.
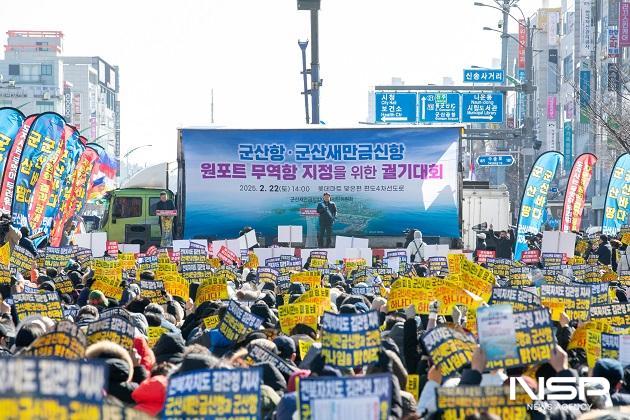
x=138 y=378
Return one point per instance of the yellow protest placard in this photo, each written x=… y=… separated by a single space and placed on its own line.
x=177 y=287
x=312 y=278
x=304 y=346
x=5 y=254
x=625 y=239
x=556 y=311
x=211 y=321
x=214 y=262
x=297 y=313
x=216 y=289
x=413 y=385
x=154 y=334
x=319 y=296
x=127 y=260
x=252 y=262
x=109 y=290
x=454 y=263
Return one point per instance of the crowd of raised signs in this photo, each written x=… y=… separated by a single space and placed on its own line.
x=184 y=334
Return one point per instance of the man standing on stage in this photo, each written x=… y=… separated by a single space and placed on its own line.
x=327 y=213
x=165 y=203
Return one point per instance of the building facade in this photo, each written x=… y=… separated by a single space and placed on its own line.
x=35 y=77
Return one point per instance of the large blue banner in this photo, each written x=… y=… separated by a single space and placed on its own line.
x=32 y=386
x=617 y=197
x=215 y=394
x=10 y=122
x=43 y=139
x=382 y=180
x=534 y=201
x=364 y=397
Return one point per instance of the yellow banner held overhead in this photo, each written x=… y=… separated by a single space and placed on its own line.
x=5 y=254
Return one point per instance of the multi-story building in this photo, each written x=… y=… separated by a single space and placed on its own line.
x=35 y=77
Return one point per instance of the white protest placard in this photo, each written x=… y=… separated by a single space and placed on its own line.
x=180 y=243
x=436 y=251
x=265 y=253
x=558 y=242
x=351 y=242
x=233 y=245
x=290 y=234
x=624 y=350
x=95 y=241
x=129 y=248
x=393 y=263
x=248 y=240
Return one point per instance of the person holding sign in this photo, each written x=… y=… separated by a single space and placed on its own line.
x=327 y=214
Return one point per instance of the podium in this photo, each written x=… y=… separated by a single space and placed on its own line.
x=166 y=226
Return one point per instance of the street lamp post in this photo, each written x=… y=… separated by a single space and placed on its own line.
x=313 y=7
x=126 y=157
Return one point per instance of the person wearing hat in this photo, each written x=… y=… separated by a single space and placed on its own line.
x=98 y=299
x=169 y=348
x=612 y=371
x=286 y=349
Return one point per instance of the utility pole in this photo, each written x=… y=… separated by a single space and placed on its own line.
x=315 y=65
x=305 y=72
x=504 y=47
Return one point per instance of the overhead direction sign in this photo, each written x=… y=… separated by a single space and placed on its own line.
x=439 y=107
x=495 y=160
x=482 y=107
x=398 y=107
x=483 y=76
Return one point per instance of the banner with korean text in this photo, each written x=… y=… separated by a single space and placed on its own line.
x=534 y=200
x=381 y=179
x=617 y=197
x=575 y=196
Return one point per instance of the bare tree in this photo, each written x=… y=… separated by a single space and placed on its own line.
x=609 y=110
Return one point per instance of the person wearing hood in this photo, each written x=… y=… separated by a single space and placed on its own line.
x=415 y=250
x=120 y=368
x=604 y=251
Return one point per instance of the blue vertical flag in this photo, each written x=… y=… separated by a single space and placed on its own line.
x=64 y=172
x=41 y=143
x=617 y=197
x=534 y=201
x=10 y=122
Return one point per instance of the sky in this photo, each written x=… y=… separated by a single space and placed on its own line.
x=173 y=54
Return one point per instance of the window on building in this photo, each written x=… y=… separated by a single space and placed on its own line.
x=14 y=69
x=47 y=70
x=125 y=207
x=30 y=72
x=45 y=106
